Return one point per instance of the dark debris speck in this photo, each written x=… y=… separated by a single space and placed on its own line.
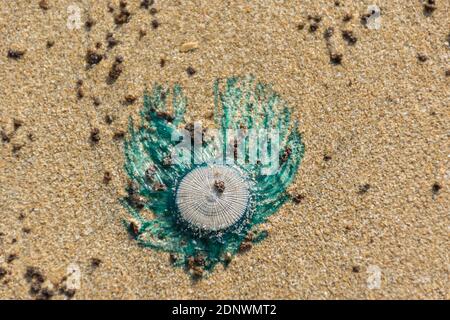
x=219 y=186
x=297 y=198
x=336 y=58
x=96 y=101
x=123 y=16
x=15 y=54
x=11 y=257
x=191 y=71
x=116 y=70
x=92 y=58
x=107 y=177
x=145 y=4
x=436 y=188
x=347 y=17
x=119 y=135
x=363 y=188
x=245 y=246
x=50 y=44
x=155 y=24
x=5 y=137
x=429 y=6
x=43 y=4
x=422 y=57
x=109 y=119
x=130 y=99
x=95 y=135
x=17 y=124
x=89 y=24
x=112 y=42
x=349 y=37
x=328 y=33
x=3 y=272
x=96 y=262
x=34 y=274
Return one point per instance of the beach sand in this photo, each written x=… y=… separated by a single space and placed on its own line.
x=373 y=221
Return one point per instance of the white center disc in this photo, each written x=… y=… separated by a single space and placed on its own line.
x=204 y=205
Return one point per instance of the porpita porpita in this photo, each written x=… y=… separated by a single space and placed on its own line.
x=207 y=208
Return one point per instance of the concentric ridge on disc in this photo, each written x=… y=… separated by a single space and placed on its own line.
x=202 y=204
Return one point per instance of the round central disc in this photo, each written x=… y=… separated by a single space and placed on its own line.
x=213 y=197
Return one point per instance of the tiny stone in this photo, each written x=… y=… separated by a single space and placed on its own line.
x=93 y=58
x=421 y=57
x=130 y=99
x=298 y=198
x=436 y=188
x=11 y=258
x=349 y=37
x=134 y=228
x=328 y=32
x=428 y=7
x=96 y=101
x=111 y=41
x=313 y=27
x=336 y=58
x=3 y=272
x=89 y=24
x=159 y=187
x=219 y=186
x=107 y=177
x=26 y=230
x=116 y=70
x=95 y=262
x=155 y=24
x=347 y=17
x=142 y=33
x=69 y=293
x=108 y=119
x=15 y=54
x=146 y=3
x=191 y=71
x=197 y=272
x=35 y=288
x=43 y=4
x=5 y=137
x=17 y=124
x=172 y=258
x=364 y=188
x=123 y=16
x=245 y=246
x=227 y=257
x=46 y=294
x=80 y=93
x=119 y=135
x=95 y=135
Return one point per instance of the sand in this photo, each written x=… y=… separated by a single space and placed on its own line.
x=374 y=177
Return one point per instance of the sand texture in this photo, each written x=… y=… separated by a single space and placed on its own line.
x=372 y=106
